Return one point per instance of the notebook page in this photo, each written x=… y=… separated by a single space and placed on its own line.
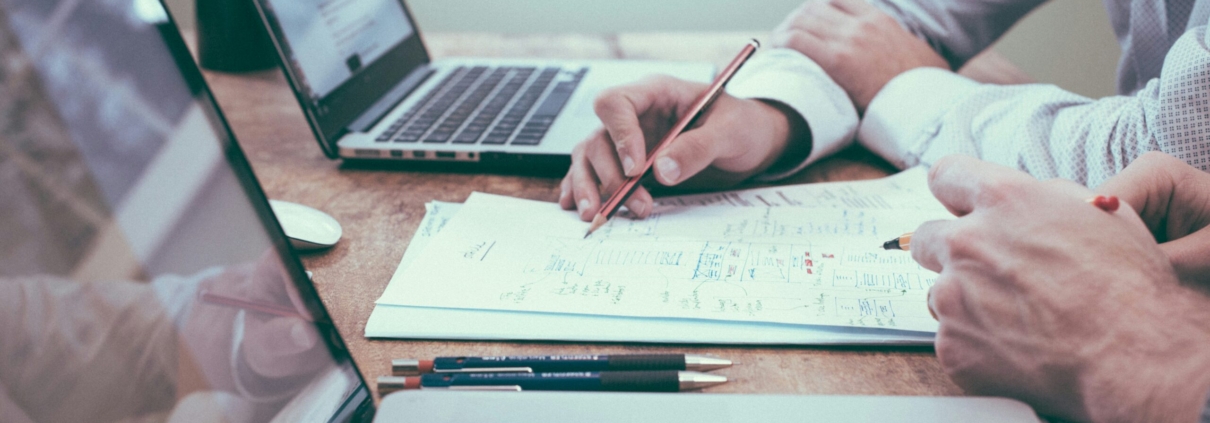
x=795 y=265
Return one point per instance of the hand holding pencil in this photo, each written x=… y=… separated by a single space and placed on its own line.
x=734 y=139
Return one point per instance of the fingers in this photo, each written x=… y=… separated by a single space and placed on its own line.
x=604 y=162
x=281 y=347
x=963 y=183
x=640 y=203
x=1190 y=256
x=595 y=171
x=584 y=193
x=1147 y=185
x=929 y=246
x=619 y=111
x=565 y=198
x=633 y=113
x=685 y=156
x=801 y=40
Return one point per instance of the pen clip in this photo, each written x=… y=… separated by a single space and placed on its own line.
x=487 y=370
x=500 y=388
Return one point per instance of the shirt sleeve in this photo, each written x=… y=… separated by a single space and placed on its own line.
x=925 y=114
x=788 y=77
x=957 y=29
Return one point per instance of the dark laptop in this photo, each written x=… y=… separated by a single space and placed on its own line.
x=370 y=90
x=143 y=277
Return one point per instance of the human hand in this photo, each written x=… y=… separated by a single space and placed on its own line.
x=733 y=140
x=859 y=46
x=1173 y=199
x=272 y=347
x=1047 y=299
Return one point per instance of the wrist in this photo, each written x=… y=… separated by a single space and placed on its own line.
x=1163 y=376
x=791 y=137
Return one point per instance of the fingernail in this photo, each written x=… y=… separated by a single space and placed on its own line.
x=627 y=164
x=668 y=169
x=562 y=195
x=640 y=208
x=584 y=205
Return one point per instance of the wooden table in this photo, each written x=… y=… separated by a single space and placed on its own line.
x=380 y=211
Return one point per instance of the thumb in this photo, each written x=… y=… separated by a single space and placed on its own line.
x=685 y=156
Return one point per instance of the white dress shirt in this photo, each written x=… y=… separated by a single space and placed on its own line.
x=925 y=114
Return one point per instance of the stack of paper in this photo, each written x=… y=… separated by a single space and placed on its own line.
x=784 y=265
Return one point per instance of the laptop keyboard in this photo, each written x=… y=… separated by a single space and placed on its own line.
x=487 y=105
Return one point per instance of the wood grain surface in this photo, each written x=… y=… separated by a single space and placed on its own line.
x=381 y=209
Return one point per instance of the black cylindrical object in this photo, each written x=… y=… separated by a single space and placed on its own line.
x=231 y=37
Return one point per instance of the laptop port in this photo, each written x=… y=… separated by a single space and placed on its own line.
x=418 y=154
x=397 y=153
x=446 y=155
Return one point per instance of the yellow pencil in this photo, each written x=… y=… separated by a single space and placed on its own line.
x=903 y=242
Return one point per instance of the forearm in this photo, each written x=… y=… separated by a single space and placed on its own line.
x=925 y=114
x=957 y=29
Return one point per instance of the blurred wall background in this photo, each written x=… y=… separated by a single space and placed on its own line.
x=1066 y=42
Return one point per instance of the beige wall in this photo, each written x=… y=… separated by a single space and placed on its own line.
x=1067 y=42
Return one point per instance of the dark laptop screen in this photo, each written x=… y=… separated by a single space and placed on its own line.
x=142 y=277
x=342 y=56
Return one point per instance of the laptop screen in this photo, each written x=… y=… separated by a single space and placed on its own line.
x=142 y=275
x=332 y=40
x=342 y=56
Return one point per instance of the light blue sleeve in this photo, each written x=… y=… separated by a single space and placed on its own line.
x=958 y=29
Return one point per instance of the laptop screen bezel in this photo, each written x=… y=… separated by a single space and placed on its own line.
x=330 y=118
x=359 y=405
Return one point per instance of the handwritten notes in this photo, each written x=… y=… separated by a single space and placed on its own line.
x=810 y=259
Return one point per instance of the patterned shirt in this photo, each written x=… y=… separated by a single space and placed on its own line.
x=924 y=114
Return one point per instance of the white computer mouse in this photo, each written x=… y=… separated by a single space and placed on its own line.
x=307 y=228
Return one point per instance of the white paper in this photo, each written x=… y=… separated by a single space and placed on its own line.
x=389 y=321
x=907 y=190
x=791 y=265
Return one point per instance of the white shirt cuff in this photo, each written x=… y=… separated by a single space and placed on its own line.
x=905 y=116
x=788 y=77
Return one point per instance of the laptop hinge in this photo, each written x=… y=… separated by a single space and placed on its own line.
x=396 y=94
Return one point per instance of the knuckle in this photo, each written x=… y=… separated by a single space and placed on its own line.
x=999 y=190
x=963 y=241
x=948 y=351
x=606 y=102
x=579 y=149
x=946 y=296
x=794 y=39
x=841 y=55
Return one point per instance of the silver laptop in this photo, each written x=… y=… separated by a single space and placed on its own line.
x=371 y=92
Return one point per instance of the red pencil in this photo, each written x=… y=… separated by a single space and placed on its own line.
x=611 y=206
x=274 y=309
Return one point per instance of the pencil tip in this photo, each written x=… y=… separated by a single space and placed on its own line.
x=597 y=223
